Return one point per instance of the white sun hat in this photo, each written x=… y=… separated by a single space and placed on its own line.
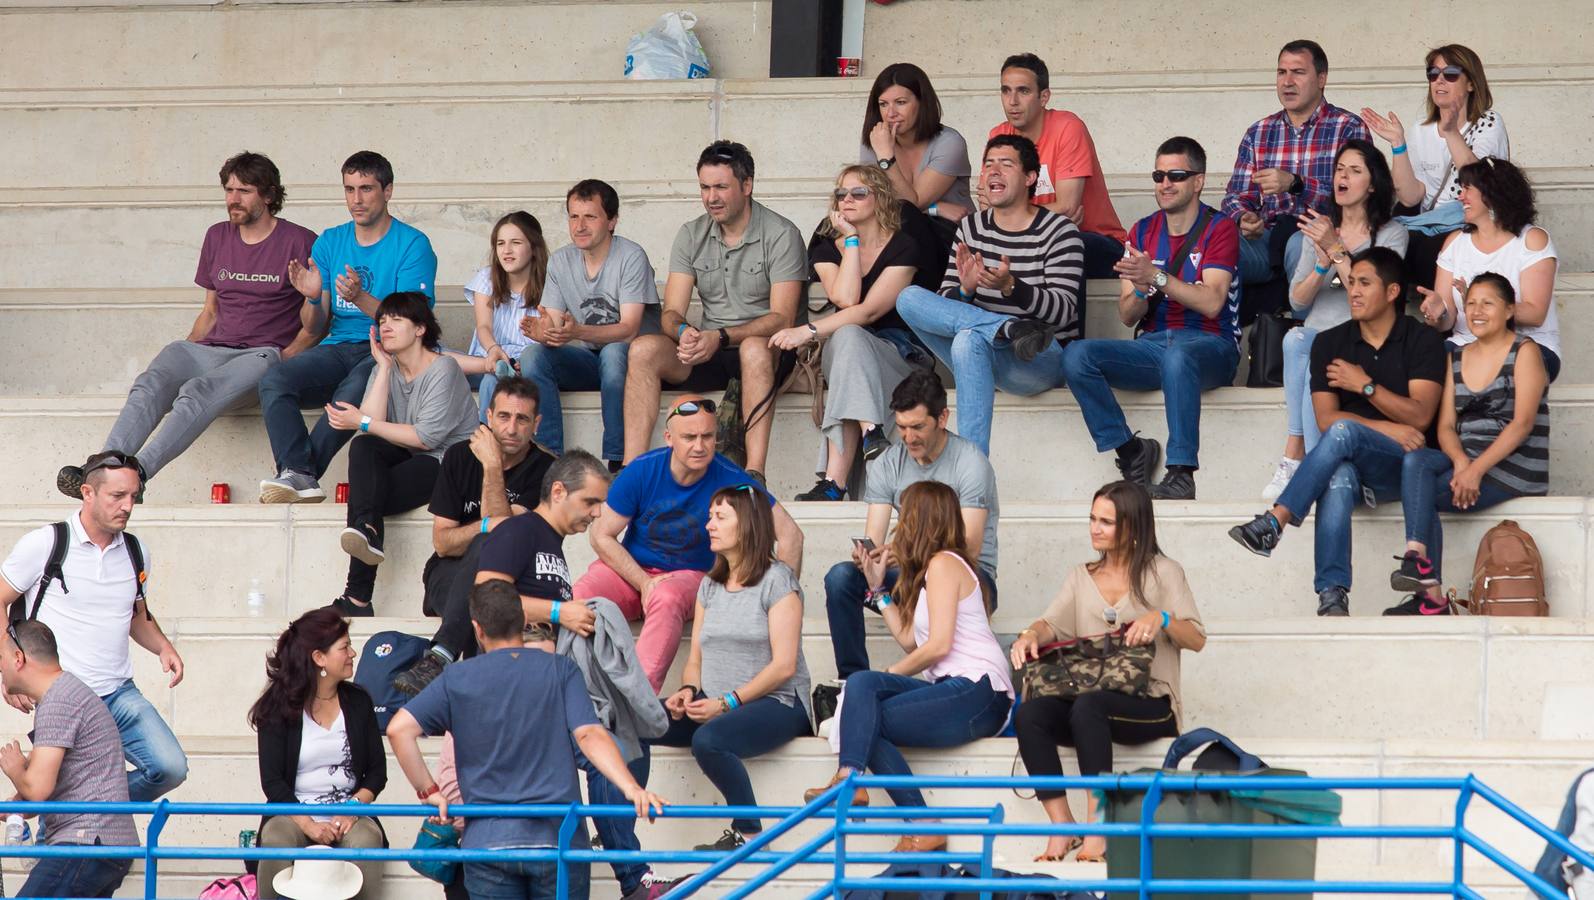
x=319 y=879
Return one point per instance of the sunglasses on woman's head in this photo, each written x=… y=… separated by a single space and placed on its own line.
x=1177 y=176
x=1452 y=74
x=857 y=193
x=692 y=408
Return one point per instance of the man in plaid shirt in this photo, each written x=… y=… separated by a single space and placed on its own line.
x=1285 y=164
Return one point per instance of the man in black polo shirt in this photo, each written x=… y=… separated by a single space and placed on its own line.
x=1376 y=382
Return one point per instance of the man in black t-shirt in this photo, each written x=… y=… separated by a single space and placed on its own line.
x=1376 y=382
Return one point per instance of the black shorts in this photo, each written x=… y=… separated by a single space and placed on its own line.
x=719 y=369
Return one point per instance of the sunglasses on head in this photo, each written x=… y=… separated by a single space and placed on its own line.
x=111 y=459
x=1451 y=74
x=692 y=408
x=11 y=632
x=1177 y=176
x=857 y=193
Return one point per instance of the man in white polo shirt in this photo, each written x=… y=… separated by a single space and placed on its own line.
x=93 y=607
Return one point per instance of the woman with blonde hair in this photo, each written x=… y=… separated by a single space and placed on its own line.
x=954 y=685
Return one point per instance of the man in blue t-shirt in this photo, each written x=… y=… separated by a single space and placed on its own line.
x=660 y=501
x=518 y=715
x=351 y=268
x=1179 y=291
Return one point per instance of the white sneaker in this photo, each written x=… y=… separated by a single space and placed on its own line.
x=1281 y=478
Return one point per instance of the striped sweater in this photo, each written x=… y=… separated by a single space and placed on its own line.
x=1047 y=260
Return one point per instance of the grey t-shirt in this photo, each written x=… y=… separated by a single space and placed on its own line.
x=946 y=153
x=735 y=637
x=1332 y=306
x=625 y=277
x=734 y=282
x=74 y=718
x=961 y=466
x=437 y=403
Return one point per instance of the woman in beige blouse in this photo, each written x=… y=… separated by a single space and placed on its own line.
x=1131 y=584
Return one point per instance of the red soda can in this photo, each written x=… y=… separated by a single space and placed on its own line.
x=848 y=66
x=341 y=493
x=220 y=492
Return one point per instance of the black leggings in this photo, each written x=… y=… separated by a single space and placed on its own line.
x=384 y=480
x=1090 y=724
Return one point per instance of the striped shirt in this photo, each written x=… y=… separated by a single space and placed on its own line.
x=1307 y=151
x=1482 y=415
x=1047 y=260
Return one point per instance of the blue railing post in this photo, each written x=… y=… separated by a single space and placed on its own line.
x=1463 y=799
x=843 y=809
x=567 y=830
x=988 y=846
x=152 y=836
x=1148 y=817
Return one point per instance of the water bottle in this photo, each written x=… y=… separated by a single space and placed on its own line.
x=256 y=599
x=16 y=830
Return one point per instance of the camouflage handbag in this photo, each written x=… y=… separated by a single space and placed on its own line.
x=1106 y=662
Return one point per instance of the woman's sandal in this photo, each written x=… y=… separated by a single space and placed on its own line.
x=1091 y=859
x=1073 y=844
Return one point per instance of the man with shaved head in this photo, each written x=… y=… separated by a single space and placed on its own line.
x=660 y=502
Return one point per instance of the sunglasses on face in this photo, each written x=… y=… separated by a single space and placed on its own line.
x=1451 y=74
x=692 y=408
x=110 y=459
x=1177 y=176
x=857 y=193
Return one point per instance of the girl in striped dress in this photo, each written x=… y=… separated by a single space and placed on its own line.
x=1494 y=440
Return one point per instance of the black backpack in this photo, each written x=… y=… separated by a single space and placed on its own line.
x=53 y=572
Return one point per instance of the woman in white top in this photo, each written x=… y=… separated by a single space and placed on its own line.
x=1499 y=236
x=502 y=294
x=954 y=685
x=927 y=162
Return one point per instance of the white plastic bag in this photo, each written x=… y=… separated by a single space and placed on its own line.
x=667 y=50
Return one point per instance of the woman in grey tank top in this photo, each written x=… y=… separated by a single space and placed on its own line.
x=1494 y=440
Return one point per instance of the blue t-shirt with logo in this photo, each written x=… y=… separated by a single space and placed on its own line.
x=401 y=261
x=667 y=518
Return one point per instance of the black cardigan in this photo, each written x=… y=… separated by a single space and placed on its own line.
x=279 y=745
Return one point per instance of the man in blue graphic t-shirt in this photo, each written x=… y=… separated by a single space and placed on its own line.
x=351 y=268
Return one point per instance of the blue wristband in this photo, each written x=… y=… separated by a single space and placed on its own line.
x=1139 y=293
x=965 y=295
x=485 y=520
x=365 y=425
x=313 y=301
x=553 y=614
x=1396 y=151
x=850 y=240
x=1166 y=619
x=731 y=701
x=681 y=329
x=1319 y=269
x=931 y=210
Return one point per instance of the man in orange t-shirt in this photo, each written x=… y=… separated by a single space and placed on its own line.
x=1071 y=182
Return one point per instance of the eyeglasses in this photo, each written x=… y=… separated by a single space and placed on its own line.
x=857 y=193
x=1177 y=176
x=1451 y=74
x=112 y=459
x=692 y=408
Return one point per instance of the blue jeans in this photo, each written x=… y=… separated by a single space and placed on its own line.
x=1425 y=493
x=720 y=744
x=554 y=369
x=318 y=376
x=159 y=764
x=617 y=833
x=1350 y=457
x=64 y=877
x=844 y=590
x=1300 y=414
x=1181 y=363
x=484 y=385
x=524 y=880
x=963 y=336
x=881 y=711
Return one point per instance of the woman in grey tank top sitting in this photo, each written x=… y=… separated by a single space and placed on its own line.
x=1494 y=440
x=745 y=681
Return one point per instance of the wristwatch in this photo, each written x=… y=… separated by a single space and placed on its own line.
x=725 y=339
x=1369 y=389
x=886 y=163
x=813 y=330
x=1159 y=280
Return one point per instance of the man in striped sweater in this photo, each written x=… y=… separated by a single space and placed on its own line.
x=1013 y=293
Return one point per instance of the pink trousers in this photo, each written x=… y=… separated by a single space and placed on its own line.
x=664 y=616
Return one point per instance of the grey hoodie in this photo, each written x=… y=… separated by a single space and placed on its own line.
x=620 y=692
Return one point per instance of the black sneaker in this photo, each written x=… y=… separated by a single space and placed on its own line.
x=875 y=443
x=1141 y=464
x=1333 y=602
x=727 y=842
x=362 y=543
x=413 y=680
x=1260 y=535
x=69 y=481
x=824 y=489
x=1420 y=605
x=1416 y=574
x=1029 y=337
x=1178 y=483
x=351 y=610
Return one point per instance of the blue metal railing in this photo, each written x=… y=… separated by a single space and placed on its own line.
x=841 y=820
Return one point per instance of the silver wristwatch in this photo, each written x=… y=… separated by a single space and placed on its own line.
x=1159 y=280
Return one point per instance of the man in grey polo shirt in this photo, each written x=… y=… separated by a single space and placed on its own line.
x=748 y=266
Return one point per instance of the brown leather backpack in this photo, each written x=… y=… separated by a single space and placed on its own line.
x=1508 y=574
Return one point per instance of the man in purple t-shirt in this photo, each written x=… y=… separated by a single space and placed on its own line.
x=252 y=320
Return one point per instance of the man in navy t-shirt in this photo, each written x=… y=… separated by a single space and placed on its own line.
x=1179 y=291
x=518 y=716
x=660 y=501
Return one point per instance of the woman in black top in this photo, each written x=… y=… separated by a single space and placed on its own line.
x=318 y=743
x=867 y=250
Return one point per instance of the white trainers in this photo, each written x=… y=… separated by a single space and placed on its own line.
x=1281 y=478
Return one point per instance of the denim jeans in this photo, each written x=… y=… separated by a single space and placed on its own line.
x=881 y=711
x=484 y=385
x=567 y=368
x=524 y=880
x=1301 y=415
x=1256 y=262
x=69 y=877
x=844 y=590
x=1350 y=457
x=963 y=336
x=617 y=833
x=720 y=744
x=318 y=376
x=1182 y=363
x=159 y=764
x=1425 y=493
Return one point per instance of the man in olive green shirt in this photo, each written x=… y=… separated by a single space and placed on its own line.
x=748 y=265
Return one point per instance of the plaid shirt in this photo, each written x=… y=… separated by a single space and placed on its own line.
x=1308 y=151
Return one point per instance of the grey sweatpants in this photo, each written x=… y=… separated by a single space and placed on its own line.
x=189 y=385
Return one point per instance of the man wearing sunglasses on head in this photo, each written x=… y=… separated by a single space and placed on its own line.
x=86 y=578
x=660 y=501
x=1180 y=291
